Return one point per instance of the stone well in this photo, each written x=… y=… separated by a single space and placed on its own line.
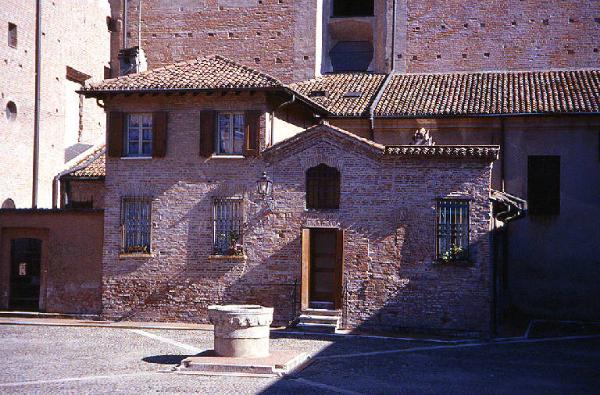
x=241 y=331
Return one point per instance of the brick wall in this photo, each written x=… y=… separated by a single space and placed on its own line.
x=274 y=36
x=74 y=34
x=454 y=35
x=71 y=258
x=387 y=211
x=84 y=191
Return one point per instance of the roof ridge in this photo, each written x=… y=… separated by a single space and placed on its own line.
x=479 y=72
x=247 y=68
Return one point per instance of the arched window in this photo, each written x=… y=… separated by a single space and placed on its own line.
x=322 y=187
x=8 y=203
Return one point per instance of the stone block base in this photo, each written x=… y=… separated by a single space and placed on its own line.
x=278 y=363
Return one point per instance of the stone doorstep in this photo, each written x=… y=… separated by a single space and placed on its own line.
x=279 y=363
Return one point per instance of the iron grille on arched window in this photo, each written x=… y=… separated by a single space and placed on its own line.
x=322 y=187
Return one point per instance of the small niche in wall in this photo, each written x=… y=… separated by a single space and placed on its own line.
x=11 y=111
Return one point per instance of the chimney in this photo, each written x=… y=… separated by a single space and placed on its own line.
x=132 y=60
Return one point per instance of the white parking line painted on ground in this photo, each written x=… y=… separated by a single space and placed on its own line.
x=183 y=346
x=492 y=343
x=70 y=379
x=324 y=386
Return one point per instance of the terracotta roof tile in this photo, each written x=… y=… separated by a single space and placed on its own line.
x=92 y=165
x=530 y=92
x=347 y=94
x=212 y=72
x=449 y=151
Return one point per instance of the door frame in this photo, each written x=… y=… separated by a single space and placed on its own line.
x=6 y=236
x=306 y=267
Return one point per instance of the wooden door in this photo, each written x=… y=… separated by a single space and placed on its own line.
x=25 y=274
x=322 y=267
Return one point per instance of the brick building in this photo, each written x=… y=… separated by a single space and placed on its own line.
x=350 y=225
x=70 y=45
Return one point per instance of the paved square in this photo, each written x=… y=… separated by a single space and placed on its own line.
x=54 y=359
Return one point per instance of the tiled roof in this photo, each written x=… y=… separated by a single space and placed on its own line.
x=448 y=151
x=212 y=72
x=528 y=92
x=92 y=165
x=347 y=94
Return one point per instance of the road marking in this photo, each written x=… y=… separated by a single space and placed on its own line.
x=70 y=379
x=413 y=349
x=324 y=386
x=184 y=346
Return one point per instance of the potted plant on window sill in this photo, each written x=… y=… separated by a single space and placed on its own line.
x=235 y=247
x=456 y=255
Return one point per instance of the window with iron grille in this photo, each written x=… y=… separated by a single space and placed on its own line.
x=543 y=185
x=135 y=224
x=227 y=223
x=452 y=230
x=322 y=187
x=139 y=135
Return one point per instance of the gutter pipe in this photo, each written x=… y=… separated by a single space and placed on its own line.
x=376 y=101
x=36 y=114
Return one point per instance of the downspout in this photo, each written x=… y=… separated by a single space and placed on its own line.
x=393 y=36
x=36 y=114
x=376 y=101
x=125 y=13
x=139 y=25
x=279 y=107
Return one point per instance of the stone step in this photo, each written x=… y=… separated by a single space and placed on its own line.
x=318 y=328
x=319 y=319
x=321 y=312
x=321 y=305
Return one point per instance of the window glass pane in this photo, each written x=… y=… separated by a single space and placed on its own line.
x=146 y=120
x=147 y=134
x=134 y=121
x=224 y=133
x=147 y=148
x=134 y=134
x=133 y=148
x=238 y=134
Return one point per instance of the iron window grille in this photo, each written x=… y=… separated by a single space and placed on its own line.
x=136 y=224
x=230 y=133
x=322 y=188
x=452 y=230
x=139 y=135
x=227 y=226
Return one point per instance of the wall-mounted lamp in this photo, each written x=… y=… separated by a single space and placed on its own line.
x=264 y=185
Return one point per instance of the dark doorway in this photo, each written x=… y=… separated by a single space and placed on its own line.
x=25 y=274
x=322 y=268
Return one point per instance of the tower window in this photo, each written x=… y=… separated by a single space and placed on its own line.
x=344 y=8
x=351 y=56
x=12 y=35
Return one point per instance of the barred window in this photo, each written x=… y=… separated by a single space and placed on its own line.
x=452 y=229
x=322 y=187
x=227 y=219
x=135 y=223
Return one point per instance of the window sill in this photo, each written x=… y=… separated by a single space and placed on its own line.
x=228 y=257
x=136 y=157
x=123 y=255
x=217 y=156
x=457 y=262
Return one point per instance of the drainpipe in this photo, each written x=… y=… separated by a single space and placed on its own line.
x=36 y=113
x=279 y=107
x=376 y=101
x=393 y=35
x=125 y=13
x=139 y=25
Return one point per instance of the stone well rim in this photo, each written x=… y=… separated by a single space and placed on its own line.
x=241 y=309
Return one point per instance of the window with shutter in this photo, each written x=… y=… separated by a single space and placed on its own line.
x=207 y=133
x=138 y=136
x=115 y=135
x=230 y=133
x=159 y=134
x=543 y=185
x=322 y=187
